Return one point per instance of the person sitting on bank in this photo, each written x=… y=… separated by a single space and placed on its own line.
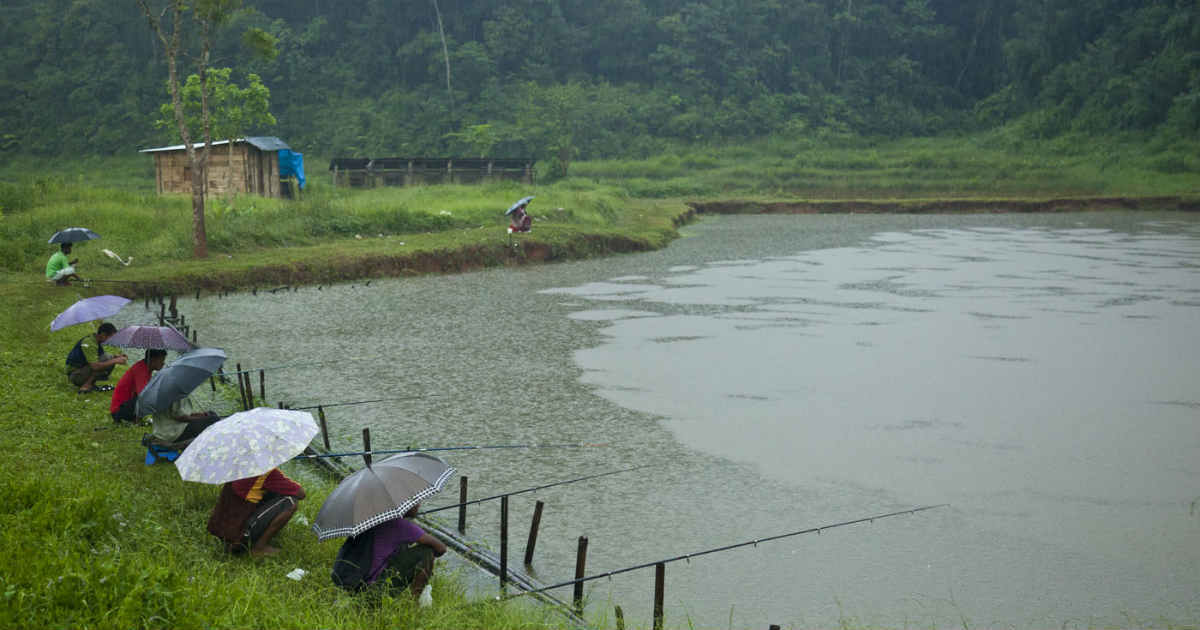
x=132 y=382
x=402 y=556
x=521 y=221
x=82 y=372
x=177 y=426
x=59 y=270
x=250 y=512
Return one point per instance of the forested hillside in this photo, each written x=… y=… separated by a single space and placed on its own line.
x=574 y=79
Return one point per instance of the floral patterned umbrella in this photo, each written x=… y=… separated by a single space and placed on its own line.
x=246 y=444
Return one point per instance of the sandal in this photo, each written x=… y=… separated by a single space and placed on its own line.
x=103 y=388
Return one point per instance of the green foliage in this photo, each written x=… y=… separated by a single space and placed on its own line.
x=608 y=79
x=233 y=110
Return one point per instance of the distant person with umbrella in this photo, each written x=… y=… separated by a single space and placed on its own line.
x=81 y=371
x=59 y=269
x=132 y=382
x=520 y=220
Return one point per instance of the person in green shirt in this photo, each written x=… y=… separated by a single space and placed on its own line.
x=59 y=270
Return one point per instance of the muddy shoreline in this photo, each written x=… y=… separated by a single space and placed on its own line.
x=948 y=206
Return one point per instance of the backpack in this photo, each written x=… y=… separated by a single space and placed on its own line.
x=353 y=562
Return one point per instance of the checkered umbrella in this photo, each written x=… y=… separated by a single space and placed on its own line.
x=380 y=493
x=246 y=444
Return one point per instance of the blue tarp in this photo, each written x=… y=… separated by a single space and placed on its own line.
x=292 y=163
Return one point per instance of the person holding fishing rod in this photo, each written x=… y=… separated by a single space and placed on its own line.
x=396 y=554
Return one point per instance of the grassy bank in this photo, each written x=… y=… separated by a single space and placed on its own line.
x=94 y=538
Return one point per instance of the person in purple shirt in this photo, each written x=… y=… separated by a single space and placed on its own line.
x=402 y=555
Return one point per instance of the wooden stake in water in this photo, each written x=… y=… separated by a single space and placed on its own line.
x=660 y=579
x=503 y=542
x=324 y=427
x=533 y=533
x=580 y=566
x=462 y=503
x=620 y=617
x=367 y=447
x=262 y=384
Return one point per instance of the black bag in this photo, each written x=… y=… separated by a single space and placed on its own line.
x=353 y=562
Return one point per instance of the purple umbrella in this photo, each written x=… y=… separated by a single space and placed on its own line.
x=89 y=310
x=163 y=337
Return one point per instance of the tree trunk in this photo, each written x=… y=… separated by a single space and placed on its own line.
x=200 y=237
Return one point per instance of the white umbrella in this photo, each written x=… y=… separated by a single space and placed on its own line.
x=246 y=444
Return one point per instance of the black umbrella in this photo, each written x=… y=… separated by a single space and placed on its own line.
x=73 y=235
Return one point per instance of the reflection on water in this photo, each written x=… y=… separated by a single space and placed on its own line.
x=1035 y=371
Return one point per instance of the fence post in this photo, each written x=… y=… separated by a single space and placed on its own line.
x=462 y=503
x=580 y=567
x=660 y=578
x=503 y=541
x=620 y=617
x=241 y=386
x=262 y=384
x=324 y=427
x=533 y=533
x=367 y=446
x=193 y=337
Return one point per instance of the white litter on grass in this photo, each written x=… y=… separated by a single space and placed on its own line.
x=297 y=574
x=111 y=254
x=300 y=519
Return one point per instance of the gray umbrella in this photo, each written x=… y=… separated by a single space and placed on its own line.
x=73 y=235
x=178 y=379
x=380 y=493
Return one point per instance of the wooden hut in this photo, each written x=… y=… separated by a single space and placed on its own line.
x=251 y=167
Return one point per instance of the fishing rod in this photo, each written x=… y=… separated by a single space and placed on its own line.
x=444 y=448
x=363 y=402
x=754 y=542
x=549 y=485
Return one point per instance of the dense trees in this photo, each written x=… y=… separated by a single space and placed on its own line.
x=565 y=79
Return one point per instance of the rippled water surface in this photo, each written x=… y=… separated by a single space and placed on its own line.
x=1036 y=372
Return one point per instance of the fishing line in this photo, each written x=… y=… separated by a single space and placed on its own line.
x=724 y=548
x=444 y=448
x=549 y=485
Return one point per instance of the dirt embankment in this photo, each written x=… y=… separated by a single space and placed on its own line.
x=947 y=206
x=276 y=277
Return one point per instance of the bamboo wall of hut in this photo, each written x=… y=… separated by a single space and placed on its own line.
x=244 y=169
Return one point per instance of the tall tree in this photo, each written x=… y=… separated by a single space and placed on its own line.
x=167 y=24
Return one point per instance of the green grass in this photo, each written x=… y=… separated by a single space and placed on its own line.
x=93 y=538
x=90 y=537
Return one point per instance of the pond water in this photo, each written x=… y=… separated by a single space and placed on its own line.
x=1035 y=372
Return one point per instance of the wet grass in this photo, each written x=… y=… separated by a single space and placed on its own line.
x=91 y=537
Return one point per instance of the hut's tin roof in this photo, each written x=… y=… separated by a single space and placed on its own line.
x=264 y=143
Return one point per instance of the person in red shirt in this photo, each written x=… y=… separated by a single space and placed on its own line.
x=132 y=382
x=249 y=512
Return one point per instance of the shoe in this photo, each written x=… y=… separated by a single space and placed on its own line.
x=103 y=388
x=426 y=598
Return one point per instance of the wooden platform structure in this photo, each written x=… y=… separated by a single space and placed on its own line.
x=417 y=171
x=253 y=162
